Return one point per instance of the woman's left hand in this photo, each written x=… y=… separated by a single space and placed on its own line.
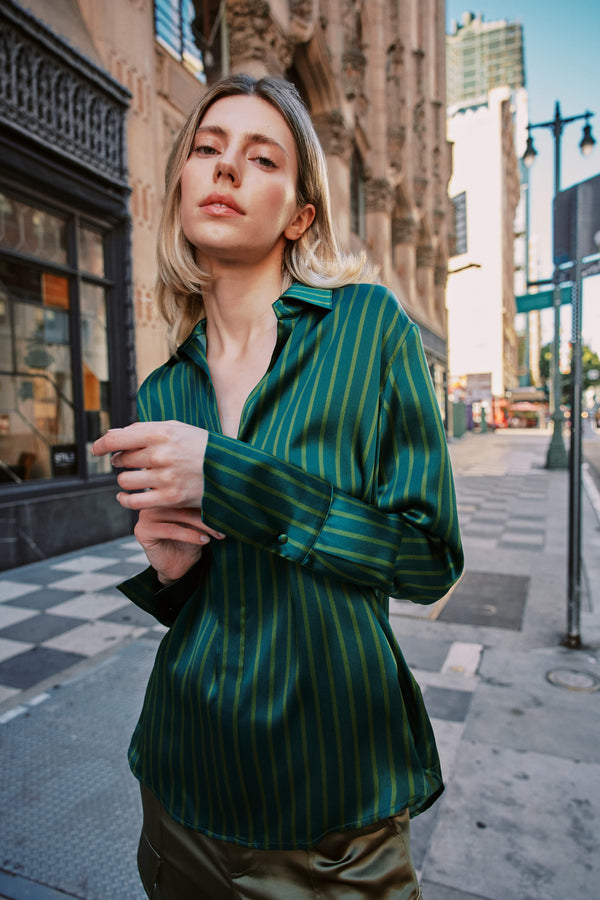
x=165 y=462
x=173 y=540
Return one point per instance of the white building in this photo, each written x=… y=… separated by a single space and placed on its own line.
x=480 y=294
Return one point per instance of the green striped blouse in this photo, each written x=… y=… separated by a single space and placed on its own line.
x=280 y=706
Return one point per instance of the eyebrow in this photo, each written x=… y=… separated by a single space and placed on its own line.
x=250 y=137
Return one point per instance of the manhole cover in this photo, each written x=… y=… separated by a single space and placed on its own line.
x=573 y=679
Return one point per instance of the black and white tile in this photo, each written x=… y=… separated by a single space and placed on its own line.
x=61 y=612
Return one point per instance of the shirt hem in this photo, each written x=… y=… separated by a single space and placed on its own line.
x=418 y=806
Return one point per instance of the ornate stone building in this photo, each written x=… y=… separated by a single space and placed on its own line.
x=91 y=97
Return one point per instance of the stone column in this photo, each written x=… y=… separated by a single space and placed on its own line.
x=378 y=201
x=258 y=43
x=404 y=232
x=336 y=140
x=378 y=189
x=425 y=283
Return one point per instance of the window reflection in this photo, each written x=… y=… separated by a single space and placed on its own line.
x=91 y=252
x=94 y=348
x=36 y=391
x=32 y=231
x=38 y=420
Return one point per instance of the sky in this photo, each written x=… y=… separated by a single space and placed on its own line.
x=562 y=63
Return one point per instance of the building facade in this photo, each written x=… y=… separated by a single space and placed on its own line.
x=481 y=56
x=91 y=98
x=487 y=123
x=481 y=297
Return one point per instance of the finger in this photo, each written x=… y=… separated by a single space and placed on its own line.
x=189 y=516
x=136 y=480
x=132 y=437
x=171 y=531
x=133 y=459
x=141 y=501
x=146 y=498
x=109 y=442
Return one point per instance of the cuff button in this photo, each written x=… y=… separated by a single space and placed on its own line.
x=282 y=539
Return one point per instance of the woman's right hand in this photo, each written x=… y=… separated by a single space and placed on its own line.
x=173 y=539
x=162 y=463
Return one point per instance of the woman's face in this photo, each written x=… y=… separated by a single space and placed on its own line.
x=238 y=186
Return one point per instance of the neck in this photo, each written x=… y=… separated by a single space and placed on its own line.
x=239 y=308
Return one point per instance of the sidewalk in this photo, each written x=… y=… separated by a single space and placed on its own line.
x=516 y=713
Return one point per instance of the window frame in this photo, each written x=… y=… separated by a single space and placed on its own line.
x=461 y=237
x=170 y=26
x=75 y=217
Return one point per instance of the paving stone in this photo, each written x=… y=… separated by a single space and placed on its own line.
x=35 y=665
x=488 y=598
x=40 y=628
x=42 y=599
x=445 y=703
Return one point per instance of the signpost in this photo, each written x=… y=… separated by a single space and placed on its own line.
x=576 y=236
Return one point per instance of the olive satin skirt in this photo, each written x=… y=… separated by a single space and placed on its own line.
x=371 y=863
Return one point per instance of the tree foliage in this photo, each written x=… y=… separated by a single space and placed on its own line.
x=590 y=363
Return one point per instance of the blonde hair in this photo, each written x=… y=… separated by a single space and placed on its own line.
x=314 y=259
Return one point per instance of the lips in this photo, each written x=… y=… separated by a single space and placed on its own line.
x=221 y=204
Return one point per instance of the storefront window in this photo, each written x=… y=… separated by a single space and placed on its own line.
x=94 y=351
x=31 y=231
x=91 y=251
x=41 y=310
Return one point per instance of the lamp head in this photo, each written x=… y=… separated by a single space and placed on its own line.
x=530 y=152
x=587 y=142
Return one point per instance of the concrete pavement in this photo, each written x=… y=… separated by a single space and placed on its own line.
x=515 y=712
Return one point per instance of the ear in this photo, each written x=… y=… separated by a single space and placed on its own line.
x=302 y=220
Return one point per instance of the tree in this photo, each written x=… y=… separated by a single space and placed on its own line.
x=590 y=363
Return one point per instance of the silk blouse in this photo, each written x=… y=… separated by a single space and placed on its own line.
x=280 y=706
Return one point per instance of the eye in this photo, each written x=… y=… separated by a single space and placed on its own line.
x=265 y=161
x=204 y=150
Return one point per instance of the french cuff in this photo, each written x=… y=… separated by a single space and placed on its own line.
x=164 y=602
x=255 y=497
x=362 y=534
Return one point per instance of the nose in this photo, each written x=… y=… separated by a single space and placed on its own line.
x=225 y=167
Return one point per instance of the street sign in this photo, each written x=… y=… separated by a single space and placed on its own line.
x=542 y=300
x=590 y=267
x=478 y=387
x=579 y=204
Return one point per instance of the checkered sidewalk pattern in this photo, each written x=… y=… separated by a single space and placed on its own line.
x=61 y=612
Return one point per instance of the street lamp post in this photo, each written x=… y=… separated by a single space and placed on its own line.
x=557 y=454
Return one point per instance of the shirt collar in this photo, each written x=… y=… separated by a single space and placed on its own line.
x=315 y=296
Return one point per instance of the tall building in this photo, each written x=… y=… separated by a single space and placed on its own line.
x=91 y=97
x=480 y=296
x=487 y=125
x=481 y=56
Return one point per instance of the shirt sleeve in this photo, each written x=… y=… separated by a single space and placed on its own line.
x=164 y=602
x=406 y=543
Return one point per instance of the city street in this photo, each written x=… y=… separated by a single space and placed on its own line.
x=515 y=712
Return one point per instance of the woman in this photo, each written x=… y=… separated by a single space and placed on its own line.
x=290 y=472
